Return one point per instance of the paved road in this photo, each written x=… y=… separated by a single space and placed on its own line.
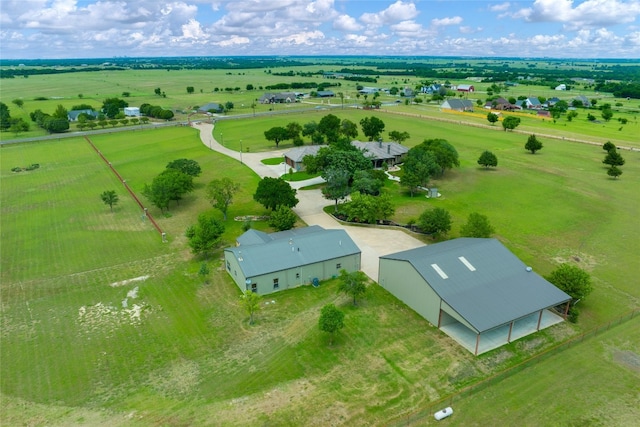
x=373 y=242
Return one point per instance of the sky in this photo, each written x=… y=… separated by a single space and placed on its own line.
x=37 y=29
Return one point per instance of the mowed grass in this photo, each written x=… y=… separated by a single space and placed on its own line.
x=190 y=358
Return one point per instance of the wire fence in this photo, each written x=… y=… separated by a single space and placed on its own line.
x=126 y=186
x=432 y=407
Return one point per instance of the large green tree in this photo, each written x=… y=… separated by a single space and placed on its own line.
x=419 y=166
x=337 y=185
x=282 y=218
x=112 y=106
x=205 y=235
x=329 y=126
x=169 y=185
x=613 y=158
x=492 y=118
x=510 y=123
x=353 y=284
x=331 y=320
x=399 y=136
x=188 y=166
x=614 y=172
x=445 y=154
x=533 y=144
x=372 y=127
x=369 y=209
x=276 y=134
x=5 y=116
x=349 y=129
x=274 y=192
x=487 y=158
x=110 y=198
x=220 y=193
x=574 y=281
x=435 y=221
x=477 y=225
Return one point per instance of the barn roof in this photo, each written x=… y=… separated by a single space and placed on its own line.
x=482 y=281
x=263 y=253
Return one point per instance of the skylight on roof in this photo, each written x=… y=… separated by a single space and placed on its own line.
x=438 y=270
x=467 y=263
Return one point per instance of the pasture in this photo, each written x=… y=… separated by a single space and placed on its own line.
x=73 y=353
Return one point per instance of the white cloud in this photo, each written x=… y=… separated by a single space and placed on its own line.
x=470 y=30
x=234 y=40
x=398 y=11
x=501 y=7
x=456 y=20
x=590 y=13
x=304 y=38
x=346 y=23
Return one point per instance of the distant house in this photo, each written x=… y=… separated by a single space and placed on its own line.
x=266 y=263
x=466 y=88
x=457 y=105
x=561 y=87
x=380 y=153
x=408 y=92
x=278 y=98
x=552 y=101
x=474 y=290
x=132 y=111
x=431 y=89
x=368 y=90
x=211 y=107
x=500 y=104
x=584 y=100
x=533 y=103
x=325 y=94
x=72 y=115
x=543 y=113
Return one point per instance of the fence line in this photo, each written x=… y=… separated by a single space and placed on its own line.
x=536 y=358
x=124 y=182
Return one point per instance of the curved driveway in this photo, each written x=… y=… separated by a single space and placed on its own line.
x=373 y=242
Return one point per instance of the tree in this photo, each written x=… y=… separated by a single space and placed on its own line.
x=510 y=123
x=60 y=113
x=112 y=106
x=251 y=303
x=446 y=155
x=398 y=136
x=606 y=114
x=608 y=146
x=157 y=91
x=282 y=218
x=220 y=193
x=574 y=281
x=190 y=89
x=492 y=118
x=18 y=102
x=109 y=197
x=487 y=158
x=19 y=125
x=228 y=106
x=329 y=126
x=353 y=284
x=533 y=144
x=435 y=221
x=368 y=182
x=5 y=116
x=293 y=130
x=276 y=134
x=613 y=158
x=372 y=127
x=171 y=184
x=477 y=226
x=571 y=115
x=331 y=320
x=348 y=129
x=188 y=166
x=337 y=185
x=419 y=166
x=614 y=172
x=274 y=192
x=368 y=209
x=205 y=235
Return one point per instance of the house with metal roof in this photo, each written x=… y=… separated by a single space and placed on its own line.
x=379 y=152
x=72 y=115
x=211 y=107
x=267 y=263
x=457 y=105
x=474 y=290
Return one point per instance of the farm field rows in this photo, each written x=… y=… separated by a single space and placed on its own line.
x=180 y=351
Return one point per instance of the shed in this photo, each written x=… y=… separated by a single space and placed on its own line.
x=267 y=263
x=474 y=290
x=132 y=111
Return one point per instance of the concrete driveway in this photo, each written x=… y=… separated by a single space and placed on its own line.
x=373 y=242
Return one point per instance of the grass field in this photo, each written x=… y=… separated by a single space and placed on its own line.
x=181 y=352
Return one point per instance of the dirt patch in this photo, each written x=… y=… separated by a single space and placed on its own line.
x=628 y=359
x=581 y=259
x=126 y=282
x=179 y=379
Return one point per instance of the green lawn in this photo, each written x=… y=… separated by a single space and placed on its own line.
x=188 y=357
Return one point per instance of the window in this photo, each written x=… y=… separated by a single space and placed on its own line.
x=297 y=275
x=275 y=284
x=254 y=287
x=338 y=265
x=228 y=266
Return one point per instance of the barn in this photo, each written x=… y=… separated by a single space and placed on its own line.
x=267 y=263
x=474 y=290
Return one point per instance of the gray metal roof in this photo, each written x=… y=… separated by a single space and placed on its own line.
x=297 y=154
x=498 y=291
x=457 y=104
x=296 y=248
x=375 y=150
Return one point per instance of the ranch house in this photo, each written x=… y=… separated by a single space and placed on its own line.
x=380 y=153
x=457 y=105
x=474 y=290
x=268 y=263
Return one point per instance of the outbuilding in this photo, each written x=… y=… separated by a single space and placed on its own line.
x=266 y=263
x=474 y=290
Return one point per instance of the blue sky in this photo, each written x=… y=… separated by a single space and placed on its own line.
x=531 y=28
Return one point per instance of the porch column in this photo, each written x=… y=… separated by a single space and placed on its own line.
x=566 y=310
x=439 y=318
x=477 y=344
x=539 y=320
x=510 y=329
